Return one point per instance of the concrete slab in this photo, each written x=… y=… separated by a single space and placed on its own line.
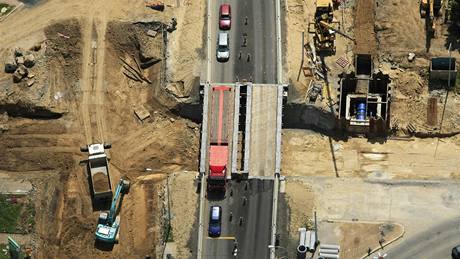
x=9 y=186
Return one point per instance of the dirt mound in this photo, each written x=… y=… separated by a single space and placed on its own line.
x=52 y=78
x=132 y=39
x=364 y=28
x=64 y=44
x=411 y=85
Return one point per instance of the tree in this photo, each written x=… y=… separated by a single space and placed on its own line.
x=455 y=12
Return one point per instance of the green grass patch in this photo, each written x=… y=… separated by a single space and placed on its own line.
x=17 y=214
x=8 y=8
x=4 y=255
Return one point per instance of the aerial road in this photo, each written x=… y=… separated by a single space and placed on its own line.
x=246 y=206
x=435 y=242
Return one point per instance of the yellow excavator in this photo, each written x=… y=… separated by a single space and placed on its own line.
x=429 y=9
x=323 y=27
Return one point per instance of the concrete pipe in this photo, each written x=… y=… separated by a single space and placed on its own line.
x=326 y=246
x=301 y=252
x=302 y=236
x=328 y=251
x=329 y=256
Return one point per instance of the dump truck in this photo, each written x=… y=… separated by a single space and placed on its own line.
x=218 y=146
x=98 y=172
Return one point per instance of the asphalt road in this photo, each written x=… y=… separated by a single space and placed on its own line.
x=258 y=56
x=435 y=242
x=254 y=61
x=251 y=201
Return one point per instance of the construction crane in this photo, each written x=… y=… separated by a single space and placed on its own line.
x=109 y=222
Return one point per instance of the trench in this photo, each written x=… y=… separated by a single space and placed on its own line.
x=21 y=110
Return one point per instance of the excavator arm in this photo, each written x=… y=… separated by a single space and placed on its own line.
x=326 y=25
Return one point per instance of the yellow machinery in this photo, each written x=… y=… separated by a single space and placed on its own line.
x=429 y=9
x=323 y=26
x=324 y=37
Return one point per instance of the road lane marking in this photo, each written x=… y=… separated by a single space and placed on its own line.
x=223 y=238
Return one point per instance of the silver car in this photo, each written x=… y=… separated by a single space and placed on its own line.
x=223 y=50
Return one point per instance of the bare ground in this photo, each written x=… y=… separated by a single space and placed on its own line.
x=94 y=102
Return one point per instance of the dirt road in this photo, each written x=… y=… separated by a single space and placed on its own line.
x=93 y=88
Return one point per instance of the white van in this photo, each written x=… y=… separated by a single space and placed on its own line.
x=223 y=50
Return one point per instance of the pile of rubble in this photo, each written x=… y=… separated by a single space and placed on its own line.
x=20 y=66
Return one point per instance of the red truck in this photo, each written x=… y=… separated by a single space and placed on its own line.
x=221 y=97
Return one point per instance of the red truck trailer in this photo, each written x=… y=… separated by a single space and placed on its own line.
x=221 y=97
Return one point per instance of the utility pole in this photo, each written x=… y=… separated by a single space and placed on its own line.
x=445 y=100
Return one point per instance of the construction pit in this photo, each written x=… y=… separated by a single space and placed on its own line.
x=102 y=72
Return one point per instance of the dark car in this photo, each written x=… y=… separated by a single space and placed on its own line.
x=456 y=252
x=225 y=17
x=215 y=220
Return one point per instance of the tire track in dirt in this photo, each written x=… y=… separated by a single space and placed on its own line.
x=93 y=88
x=86 y=85
x=99 y=76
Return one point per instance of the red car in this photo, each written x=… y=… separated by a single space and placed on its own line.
x=225 y=17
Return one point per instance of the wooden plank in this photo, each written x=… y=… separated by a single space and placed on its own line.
x=432 y=111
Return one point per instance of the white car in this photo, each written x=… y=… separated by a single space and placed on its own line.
x=223 y=50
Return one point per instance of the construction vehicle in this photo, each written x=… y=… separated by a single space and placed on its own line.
x=109 y=222
x=98 y=175
x=429 y=10
x=322 y=27
x=218 y=149
x=324 y=38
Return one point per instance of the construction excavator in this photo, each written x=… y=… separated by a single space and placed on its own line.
x=109 y=222
x=429 y=10
x=322 y=28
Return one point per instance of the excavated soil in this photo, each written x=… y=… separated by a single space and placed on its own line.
x=364 y=27
x=64 y=45
x=45 y=149
x=55 y=74
x=100 y=182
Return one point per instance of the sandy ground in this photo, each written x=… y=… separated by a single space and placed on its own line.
x=95 y=102
x=184 y=209
x=394 y=18
x=186 y=49
x=354 y=237
x=298 y=14
x=310 y=154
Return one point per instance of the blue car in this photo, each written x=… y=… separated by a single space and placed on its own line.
x=215 y=221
